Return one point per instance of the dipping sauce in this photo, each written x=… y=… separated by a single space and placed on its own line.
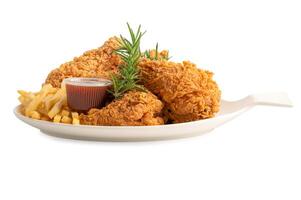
x=86 y=93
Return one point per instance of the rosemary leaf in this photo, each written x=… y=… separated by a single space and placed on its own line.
x=129 y=73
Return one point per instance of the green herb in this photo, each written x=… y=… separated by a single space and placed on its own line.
x=147 y=54
x=156 y=55
x=129 y=51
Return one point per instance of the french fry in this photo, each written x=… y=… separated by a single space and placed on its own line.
x=75 y=121
x=74 y=115
x=22 y=99
x=47 y=98
x=49 y=104
x=66 y=120
x=23 y=93
x=35 y=115
x=33 y=105
x=54 y=99
x=42 y=109
x=45 y=118
x=65 y=113
x=53 y=90
x=56 y=108
x=22 y=110
x=25 y=97
x=57 y=118
x=65 y=107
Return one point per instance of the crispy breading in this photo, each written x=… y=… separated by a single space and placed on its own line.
x=188 y=93
x=135 y=108
x=99 y=62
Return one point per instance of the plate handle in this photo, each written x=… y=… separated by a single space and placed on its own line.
x=272 y=99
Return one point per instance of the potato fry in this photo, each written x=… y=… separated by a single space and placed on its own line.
x=65 y=113
x=33 y=105
x=45 y=118
x=53 y=90
x=23 y=93
x=22 y=99
x=56 y=108
x=35 y=115
x=41 y=109
x=54 y=99
x=47 y=98
x=74 y=115
x=66 y=120
x=49 y=104
x=75 y=121
x=57 y=118
x=25 y=97
x=65 y=107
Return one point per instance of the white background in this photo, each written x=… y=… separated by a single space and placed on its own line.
x=252 y=46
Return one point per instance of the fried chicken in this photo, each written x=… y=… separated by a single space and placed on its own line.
x=99 y=62
x=135 y=108
x=188 y=93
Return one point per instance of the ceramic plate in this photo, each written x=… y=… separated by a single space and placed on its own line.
x=228 y=111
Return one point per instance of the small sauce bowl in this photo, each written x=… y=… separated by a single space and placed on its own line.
x=86 y=93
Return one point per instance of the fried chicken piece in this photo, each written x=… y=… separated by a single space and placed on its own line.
x=99 y=62
x=135 y=108
x=188 y=93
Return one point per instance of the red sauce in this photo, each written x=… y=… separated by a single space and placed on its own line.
x=86 y=93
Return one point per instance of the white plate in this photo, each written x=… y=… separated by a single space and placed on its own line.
x=229 y=110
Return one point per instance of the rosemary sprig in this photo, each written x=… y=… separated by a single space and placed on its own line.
x=156 y=54
x=147 y=54
x=130 y=54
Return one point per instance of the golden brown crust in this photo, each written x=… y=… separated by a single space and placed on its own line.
x=189 y=93
x=135 y=108
x=99 y=62
x=55 y=77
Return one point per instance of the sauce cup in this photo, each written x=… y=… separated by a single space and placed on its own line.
x=86 y=93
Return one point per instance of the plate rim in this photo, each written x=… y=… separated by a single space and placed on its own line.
x=197 y=122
